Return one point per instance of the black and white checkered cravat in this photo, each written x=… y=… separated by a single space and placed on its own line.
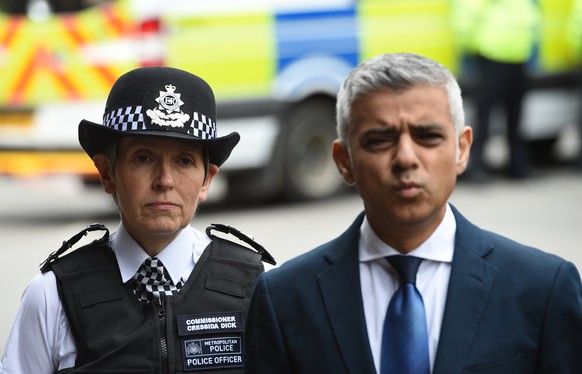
x=152 y=280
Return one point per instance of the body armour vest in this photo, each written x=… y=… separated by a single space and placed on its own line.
x=200 y=329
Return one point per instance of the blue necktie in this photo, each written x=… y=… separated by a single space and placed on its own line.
x=405 y=336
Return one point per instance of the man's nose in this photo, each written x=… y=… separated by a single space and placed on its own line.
x=405 y=156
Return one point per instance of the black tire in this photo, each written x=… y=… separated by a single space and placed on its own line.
x=309 y=172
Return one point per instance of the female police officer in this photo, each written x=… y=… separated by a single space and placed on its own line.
x=157 y=295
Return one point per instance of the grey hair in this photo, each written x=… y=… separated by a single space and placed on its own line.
x=394 y=72
x=110 y=151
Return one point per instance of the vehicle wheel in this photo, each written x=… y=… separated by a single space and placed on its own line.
x=309 y=171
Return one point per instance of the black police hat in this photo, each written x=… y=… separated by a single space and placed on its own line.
x=159 y=101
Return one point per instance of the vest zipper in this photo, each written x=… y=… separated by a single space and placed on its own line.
x=163 y=335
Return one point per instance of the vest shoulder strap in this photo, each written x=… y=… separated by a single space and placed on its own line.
x=47 y=264
x=229 y=246
x=95 y=255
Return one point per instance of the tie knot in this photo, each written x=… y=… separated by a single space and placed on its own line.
x=405 y=266
x=154 y=265
x=153 y=280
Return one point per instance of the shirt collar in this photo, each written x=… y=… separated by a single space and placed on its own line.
x=176 y=256
x=438 y=247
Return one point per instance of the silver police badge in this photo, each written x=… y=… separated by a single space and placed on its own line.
x=168 y=113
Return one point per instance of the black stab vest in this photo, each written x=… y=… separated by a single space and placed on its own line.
x=198 y=330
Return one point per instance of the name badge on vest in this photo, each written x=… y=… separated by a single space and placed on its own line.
x=211 y=340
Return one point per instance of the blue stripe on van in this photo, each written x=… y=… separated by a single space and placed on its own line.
x=304 y=34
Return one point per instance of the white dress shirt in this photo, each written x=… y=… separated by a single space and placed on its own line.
x=40 y=340
x=379 y=281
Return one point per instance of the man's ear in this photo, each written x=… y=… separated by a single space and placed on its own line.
x=102 y=164
x=464 y=148
x=341 y=157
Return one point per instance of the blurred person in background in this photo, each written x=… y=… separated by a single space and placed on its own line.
x=500 y=36
x=574 y=37
x=412 y=286
x=144 y=298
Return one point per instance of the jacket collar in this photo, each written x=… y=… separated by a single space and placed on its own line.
x=338 y=282
x=472 y=278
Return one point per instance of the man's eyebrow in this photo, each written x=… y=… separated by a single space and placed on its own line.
x=427 y=126
x=388 y=130
x=379 y=131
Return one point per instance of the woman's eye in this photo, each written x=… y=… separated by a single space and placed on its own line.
x=186 y=161
x=142 y=158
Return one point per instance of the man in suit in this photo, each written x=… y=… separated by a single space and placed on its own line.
x=489 y=304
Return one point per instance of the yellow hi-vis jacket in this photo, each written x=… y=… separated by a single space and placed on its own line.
x=574 y=29
x=500 y=30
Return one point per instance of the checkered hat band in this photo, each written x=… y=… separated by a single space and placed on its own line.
x=131 y=119
x=203 y=127
x=125 y=119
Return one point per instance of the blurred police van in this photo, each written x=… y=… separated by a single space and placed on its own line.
x=275 y=66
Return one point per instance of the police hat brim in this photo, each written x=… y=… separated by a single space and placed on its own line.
x=93 y=137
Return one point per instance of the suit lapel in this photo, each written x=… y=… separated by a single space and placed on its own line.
x=342 y=296
x=472 y=279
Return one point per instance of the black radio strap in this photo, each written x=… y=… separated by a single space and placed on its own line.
x=67 y=244
x=266 y=256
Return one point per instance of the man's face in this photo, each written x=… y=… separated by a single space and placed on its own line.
x=403 y=156
x=158 y=183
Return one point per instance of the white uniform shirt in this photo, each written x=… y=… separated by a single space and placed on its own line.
x=40 y=340
x=379 y=281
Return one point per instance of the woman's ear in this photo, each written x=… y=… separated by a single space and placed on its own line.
x=102 y=164
x=203 y=194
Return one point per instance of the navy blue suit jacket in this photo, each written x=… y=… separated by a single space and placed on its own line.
x=509 y=309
